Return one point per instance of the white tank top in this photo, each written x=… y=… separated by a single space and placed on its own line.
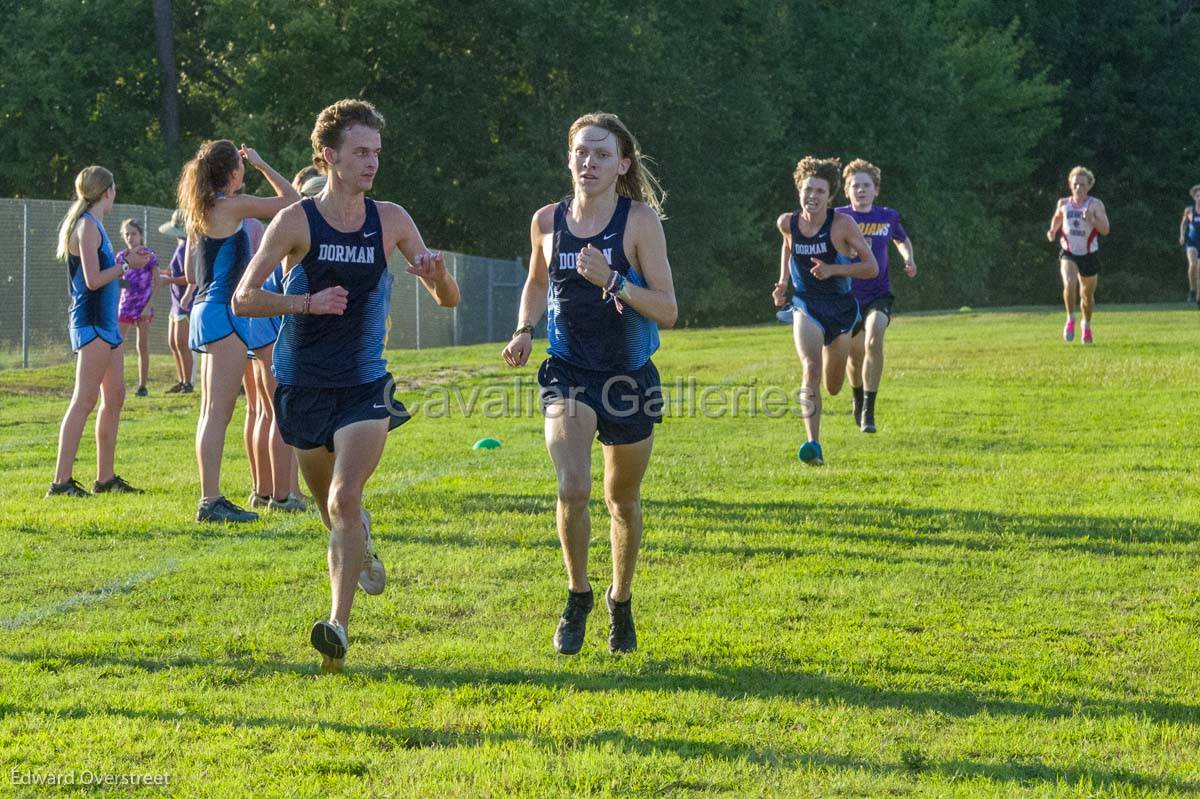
x=1078 y=236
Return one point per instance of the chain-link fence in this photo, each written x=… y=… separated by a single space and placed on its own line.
x=34 y=300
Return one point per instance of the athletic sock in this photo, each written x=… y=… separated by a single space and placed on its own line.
x=858 y=402
x=869 y=405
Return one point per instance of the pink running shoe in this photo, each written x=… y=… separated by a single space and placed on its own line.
x=1087 y=335
x=1069 y=330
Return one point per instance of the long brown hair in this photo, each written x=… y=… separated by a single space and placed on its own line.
x=202 y=178
x=638 y=183
x=90 y=185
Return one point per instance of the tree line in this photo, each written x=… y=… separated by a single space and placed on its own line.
x=975 y=110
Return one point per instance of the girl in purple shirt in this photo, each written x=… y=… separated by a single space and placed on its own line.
x=136 y=291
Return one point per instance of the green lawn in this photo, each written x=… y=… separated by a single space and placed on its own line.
x=997 y=595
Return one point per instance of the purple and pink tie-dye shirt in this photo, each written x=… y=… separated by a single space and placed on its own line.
x=139 y=285
x=881 y=226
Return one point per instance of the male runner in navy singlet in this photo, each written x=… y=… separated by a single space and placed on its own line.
x=335 y=400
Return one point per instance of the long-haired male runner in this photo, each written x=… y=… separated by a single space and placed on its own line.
x=599 y=268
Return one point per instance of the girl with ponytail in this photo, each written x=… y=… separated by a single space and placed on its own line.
x=92 y=323
x=217 y=251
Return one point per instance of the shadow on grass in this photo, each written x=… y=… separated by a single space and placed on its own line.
x=726 y=682
x=870 y=523
x=1025 y=771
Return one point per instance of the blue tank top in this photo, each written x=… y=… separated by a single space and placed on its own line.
x=819 y=246
x=1193 y=231
x=329 y=351
x=221 y=266
x=585 y=329
x=94 y=308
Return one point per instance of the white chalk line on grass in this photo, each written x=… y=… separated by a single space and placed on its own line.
x=85 y=598
x=126 y=584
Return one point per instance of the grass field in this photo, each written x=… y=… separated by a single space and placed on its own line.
x=997 y=595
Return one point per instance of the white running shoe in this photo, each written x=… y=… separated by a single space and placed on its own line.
x=373 y=576
x=329 y=638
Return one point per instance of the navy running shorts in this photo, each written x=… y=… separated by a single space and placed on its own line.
x=308 y=416
x=883 y=304
x=835 y=315
x=627 y=404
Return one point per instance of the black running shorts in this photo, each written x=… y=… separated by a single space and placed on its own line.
x=308 y=416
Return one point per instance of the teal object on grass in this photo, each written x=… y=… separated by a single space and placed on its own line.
x=487 y=443
x=810 y=453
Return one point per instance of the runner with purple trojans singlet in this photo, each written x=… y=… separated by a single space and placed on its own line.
x=880 y=226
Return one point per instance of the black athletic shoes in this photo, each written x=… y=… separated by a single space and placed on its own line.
x=572 y=627
x=70 y=488
x=222 y=510
x=115 y=485
x=568 y=638
x=622 y=637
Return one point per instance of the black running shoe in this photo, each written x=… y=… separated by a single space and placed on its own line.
x=142 y=392
x=868 y=422
x=568 y=638
x=115 y=486
x=187 y=388
x=857 y=409
x=622 y=637
x=175 y=389
x=71 y=488
x=222 y=510
x=329 y=638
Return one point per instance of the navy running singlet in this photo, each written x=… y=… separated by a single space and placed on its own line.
x=1193 y=228
x=221 y=266
x=93 y=313
x=819 y=246
x=584 y=329
x=329 y=351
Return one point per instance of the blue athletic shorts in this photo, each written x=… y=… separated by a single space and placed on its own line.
x=627 y=405
x=308 y=416
x=213 y=321
x=82 y=336
x=835 y=315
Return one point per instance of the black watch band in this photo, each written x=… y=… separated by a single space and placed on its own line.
x=523 y=329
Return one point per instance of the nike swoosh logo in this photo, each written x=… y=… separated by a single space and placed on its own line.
x=369 y=235
x=609 y=236
x=378 y=406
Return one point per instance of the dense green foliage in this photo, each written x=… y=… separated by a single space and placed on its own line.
x=975 y=111
x=995 y=596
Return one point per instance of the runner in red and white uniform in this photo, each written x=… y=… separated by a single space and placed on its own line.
x=1077 y=224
